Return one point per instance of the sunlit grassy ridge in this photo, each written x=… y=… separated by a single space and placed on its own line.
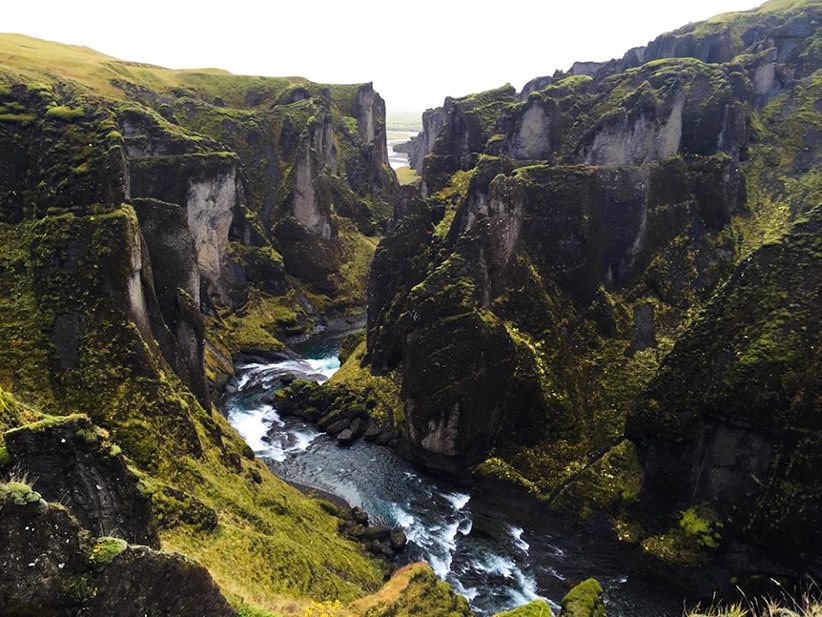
x=46 y=60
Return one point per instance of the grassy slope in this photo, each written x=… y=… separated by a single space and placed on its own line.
x=37 y=58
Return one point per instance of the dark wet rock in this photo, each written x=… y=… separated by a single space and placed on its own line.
x=346 y=437
x=312 y=414
x=359 y=515
x=377 y=532
x=383 y=439
x=357 y=426
x=71 y=463
x=157 y=583
x=326 y=421
x=644 y=331
x=372 y=430
x=374 y=546
x=338 y=427
x=398 y=540
x=54 y=568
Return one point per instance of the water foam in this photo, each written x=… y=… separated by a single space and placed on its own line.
x=458 y=500
x=325 y=366
x=516 y=533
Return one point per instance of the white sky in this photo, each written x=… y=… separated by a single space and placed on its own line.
x=416 y=53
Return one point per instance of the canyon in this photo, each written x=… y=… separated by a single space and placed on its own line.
x=601 y=300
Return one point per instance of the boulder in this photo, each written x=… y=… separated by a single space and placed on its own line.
x=376 y=532
x=338 y=427
x=372 y=431
x=356 y=426
x=359 y=516
x=584 y=600
x=346 y=437
x=398 y=540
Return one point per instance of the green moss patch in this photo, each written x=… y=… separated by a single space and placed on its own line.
x=18 y=494
x=537 y=608
x=584 y=600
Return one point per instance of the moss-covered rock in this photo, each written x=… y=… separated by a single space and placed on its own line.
x=537 y=608
x=584 y=600
x=72 y=462
x=52 y=566
x=730 y=419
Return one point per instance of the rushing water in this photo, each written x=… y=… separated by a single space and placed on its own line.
x=398 y=159
x=497 y=553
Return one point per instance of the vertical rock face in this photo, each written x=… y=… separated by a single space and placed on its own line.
x=370 y=114
x=177 y=283
x=423 y=144
x=210 y=206
x=638 y=142
x=208 y=187
x=532 y=138
x=309 y=210
x=732 y=418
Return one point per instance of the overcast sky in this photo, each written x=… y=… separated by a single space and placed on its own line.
x=416 y=53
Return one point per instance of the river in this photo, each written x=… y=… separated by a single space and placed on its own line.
x=395 y=138
x=496 y=551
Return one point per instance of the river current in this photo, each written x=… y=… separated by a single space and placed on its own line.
x=497 y=551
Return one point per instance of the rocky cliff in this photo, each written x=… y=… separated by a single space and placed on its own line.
x=544 y=286
x=153 y=225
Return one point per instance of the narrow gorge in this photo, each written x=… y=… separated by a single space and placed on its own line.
x=565 y=361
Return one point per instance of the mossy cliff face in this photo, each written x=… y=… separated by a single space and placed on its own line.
x=121 y=227
x=523 y=262
x=294 y=171
x=732 y=417
x=566 y=240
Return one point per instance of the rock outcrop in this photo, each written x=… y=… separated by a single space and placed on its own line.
x=423 y=144
x=53 y=567
x=71 y=463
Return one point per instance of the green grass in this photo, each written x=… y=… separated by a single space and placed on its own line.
x=62 y=112
x=407 y=175
x=403 y=119
x=804 y=606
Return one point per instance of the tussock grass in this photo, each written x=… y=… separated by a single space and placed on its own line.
x=806 y=604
